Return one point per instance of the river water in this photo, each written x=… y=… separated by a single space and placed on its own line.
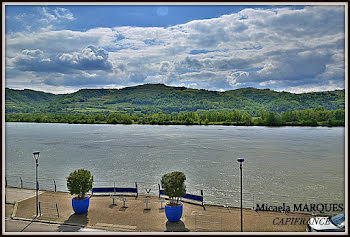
x=282 y=164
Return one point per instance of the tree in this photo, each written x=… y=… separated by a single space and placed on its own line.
x=80 y=182
x=272 y=119
x=174 y=185
x=246 y=117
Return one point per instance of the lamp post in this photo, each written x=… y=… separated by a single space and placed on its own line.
x=36 y=157
x=241 y=160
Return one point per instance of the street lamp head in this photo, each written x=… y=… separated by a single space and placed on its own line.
x=241 y=160
x=36 y=154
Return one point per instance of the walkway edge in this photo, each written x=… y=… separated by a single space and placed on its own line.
x=14 y=210
x=50 y=222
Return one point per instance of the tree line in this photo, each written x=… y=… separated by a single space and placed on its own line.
x=307 y=117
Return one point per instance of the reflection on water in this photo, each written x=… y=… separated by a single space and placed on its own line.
x=296 y=162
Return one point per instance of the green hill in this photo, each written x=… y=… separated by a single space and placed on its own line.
x=154 y=98
x=27 y=100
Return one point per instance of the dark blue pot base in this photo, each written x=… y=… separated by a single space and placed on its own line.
x=173 y=214
x=80 y=206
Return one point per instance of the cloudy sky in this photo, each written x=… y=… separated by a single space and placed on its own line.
x=60 y=48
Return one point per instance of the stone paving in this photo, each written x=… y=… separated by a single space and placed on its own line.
x=105 y=216
x=19 y=194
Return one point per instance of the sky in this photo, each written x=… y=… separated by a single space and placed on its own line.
x=64 y=48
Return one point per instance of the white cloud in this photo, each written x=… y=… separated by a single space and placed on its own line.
x=41 y=19
x=47 y=16
x=90 y=58
x=283 y=49
x=57 y=14
x=63 y=13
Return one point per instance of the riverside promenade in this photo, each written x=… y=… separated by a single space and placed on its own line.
x=104 y=216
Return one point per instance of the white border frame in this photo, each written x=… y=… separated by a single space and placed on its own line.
x=345 y=4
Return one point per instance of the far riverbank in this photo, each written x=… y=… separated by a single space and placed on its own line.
x=198 y=124
x=308 y=117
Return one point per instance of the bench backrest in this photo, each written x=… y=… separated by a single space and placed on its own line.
x=193 y=197
x=114 y=190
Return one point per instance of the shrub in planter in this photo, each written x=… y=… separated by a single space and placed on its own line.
x=174 y=186
x=79 y=182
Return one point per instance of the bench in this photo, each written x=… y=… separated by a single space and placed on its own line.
x=191 y=197
x=115 y=190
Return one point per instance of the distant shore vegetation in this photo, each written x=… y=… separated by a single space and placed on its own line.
x=308 y=117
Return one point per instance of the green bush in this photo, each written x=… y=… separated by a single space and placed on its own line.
x=80 y=182
x=310 y=122
x=333 y=122
x=174 y=185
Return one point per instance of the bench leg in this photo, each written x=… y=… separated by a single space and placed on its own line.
x=161 y=203
x=146 y=201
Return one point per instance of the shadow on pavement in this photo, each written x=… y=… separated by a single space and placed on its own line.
x=112 y=206
x=176 y=227
x=123 y=208
x=74 y=219
x=28 y=225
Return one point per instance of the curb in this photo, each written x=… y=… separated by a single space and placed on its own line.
x=45 y=221
x=50 y=222
x=14 y=210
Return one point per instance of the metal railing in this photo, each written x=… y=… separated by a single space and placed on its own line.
x=44 y=184
x=224 y=198
x=262 y=201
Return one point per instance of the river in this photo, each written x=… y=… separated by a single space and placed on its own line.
x=289 y=164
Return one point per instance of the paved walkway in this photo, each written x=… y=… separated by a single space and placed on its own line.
x=102 y=215
x=19 y=194
x=32 y=226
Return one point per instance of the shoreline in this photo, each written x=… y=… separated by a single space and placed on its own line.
x=223 y=124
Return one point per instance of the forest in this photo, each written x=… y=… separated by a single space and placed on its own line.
x=160 y=104
x=309 y=117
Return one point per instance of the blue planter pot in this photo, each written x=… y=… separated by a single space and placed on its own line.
x=173 y=214
x=80 y=206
